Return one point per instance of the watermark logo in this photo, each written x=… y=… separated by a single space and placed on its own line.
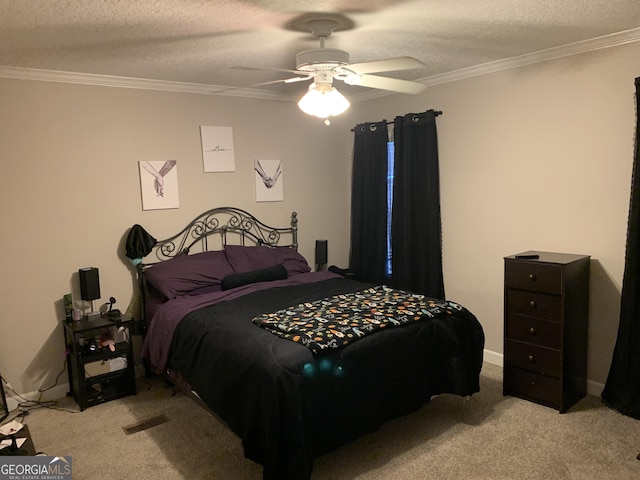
x=35 y=468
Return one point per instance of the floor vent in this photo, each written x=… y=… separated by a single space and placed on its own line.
x=145 y=424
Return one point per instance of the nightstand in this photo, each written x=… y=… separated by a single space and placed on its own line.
x=546 y=309
x=100 y=362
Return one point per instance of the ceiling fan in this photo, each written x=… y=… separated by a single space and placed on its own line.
x=323 y=65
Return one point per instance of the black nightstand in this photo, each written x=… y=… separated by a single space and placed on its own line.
x=100 y=362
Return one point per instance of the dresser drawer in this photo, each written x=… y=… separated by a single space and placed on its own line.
x=537 y=277
x=533 y=358
x=534 y=330
x=534 y=304
x=532 y=386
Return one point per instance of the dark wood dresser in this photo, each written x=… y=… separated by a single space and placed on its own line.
x=546 y=307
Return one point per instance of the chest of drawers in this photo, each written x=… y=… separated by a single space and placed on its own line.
x=546 y=306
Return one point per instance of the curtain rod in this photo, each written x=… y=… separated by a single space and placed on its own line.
x=435 y=113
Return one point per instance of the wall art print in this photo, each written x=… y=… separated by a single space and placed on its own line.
x=269 y=180
x=159 y=184
x=217 y=149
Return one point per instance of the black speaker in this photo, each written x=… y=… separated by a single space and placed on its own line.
x=321 y=252
x=89 y=283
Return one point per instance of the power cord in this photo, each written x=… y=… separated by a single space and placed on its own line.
x=26 y=405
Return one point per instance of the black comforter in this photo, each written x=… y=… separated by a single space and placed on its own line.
x=289 y=405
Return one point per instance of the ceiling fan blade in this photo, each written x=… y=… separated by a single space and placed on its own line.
x=297 y=79
x=303 y=75
x=272 y=82
x=386 y=83
x=386 y=65
x=282 y=80
x=288 y=70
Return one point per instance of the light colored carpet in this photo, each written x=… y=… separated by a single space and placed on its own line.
x=486 y=437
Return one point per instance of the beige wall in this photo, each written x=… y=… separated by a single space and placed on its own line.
x=537 y=157
x=70 y=192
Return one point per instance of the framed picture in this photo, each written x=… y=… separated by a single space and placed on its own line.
x=159 y=184
x=217 y=149
x=269 y=180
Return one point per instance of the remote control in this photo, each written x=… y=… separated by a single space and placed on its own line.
x=534 y=255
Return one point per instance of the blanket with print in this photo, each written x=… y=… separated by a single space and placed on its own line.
x=336 y=321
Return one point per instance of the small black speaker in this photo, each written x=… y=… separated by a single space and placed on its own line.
x=321 y=252
x=89 y=283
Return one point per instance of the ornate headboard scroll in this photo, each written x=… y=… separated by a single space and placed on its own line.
x=211 y=229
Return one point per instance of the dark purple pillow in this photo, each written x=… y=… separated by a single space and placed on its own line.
x=185 y=273
x=246 y=259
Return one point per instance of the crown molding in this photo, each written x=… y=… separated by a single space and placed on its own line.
x=22 y=73
x=606 y=41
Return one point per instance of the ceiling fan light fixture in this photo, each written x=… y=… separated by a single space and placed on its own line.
x=323 y=101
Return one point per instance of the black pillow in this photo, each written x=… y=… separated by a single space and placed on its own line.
x=276 y=272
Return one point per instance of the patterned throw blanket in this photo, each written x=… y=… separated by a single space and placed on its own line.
x=336 y=321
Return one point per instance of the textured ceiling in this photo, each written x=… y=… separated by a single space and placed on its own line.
x=200 y=42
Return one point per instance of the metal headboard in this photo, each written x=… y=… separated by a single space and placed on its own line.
x=213 y=230
x=222 y=222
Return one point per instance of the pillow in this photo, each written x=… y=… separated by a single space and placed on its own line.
x=185 y=273
x=275 y=272
x=245 y=259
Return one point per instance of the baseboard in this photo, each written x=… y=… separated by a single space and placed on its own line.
x=595 y=388
x=55 y=393
x=495 y=358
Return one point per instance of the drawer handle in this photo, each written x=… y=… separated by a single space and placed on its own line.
x=532 y=276
x=532 y=331
x=531 y=358
x=532 y=304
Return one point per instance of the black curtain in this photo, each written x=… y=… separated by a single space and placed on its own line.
x=622 y=390
x=368 y=254
x=416 y=228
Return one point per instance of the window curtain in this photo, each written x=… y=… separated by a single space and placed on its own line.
x=622 y=390
x=368 y=253
x=416 y=227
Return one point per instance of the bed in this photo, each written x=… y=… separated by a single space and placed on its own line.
x=295 y=362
